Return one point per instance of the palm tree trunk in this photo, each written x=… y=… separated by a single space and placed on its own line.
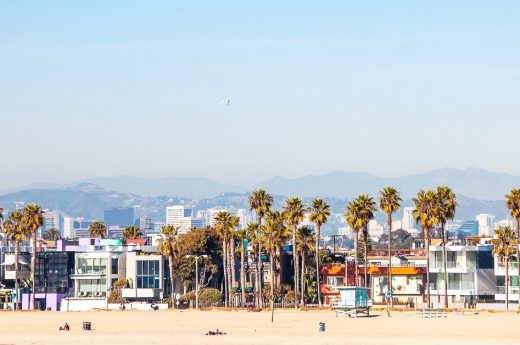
x=296 y=267
x=33 y=269
x=356 y=263
x=427 y=247
x=389 y=277
x=257 y=277
x=507 y=284
x=224 y=268
x=271 y=262
x=260 y=268
x=231 y=269
x=365 y=255
x=303 y=280
x=243 y=273
x=518 y=258
x=170 y=264
x=445 y=266
x=318 y=263
x=16 y=281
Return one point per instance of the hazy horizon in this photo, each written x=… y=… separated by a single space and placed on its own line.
x=131 y=88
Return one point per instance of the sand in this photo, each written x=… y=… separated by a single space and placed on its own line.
x=242 y=327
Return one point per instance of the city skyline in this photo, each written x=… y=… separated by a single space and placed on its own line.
x=136 y=89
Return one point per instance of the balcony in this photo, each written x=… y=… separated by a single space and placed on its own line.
x=513 y=290
x=89 y=272
x=88 y=295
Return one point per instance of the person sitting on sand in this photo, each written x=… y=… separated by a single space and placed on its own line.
x=65 y=328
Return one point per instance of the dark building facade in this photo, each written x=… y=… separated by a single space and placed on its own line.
x=122 y=216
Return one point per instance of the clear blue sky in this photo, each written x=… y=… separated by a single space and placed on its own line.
x=104 y=88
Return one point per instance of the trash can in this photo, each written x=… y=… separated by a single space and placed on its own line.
x=322 y=326
x=87 y=326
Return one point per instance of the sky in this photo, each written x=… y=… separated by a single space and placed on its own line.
x=107 y=88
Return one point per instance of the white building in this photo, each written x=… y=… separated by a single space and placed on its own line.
x=374 y=228
x=51 y=220
x=157 y=227
x=486 y=224
x=245 y=217
x=187 y=223
x=173 y=213
x=408 y=221
x=146 y=225
x=346 y=231
x=396 y=225
x=75 y=227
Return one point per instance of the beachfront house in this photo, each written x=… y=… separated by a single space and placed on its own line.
x=500 y=275
x=147 y=277
x=470 y=274
x=94 y=274
x=52 y=279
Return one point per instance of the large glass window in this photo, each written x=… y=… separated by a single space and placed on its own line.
x=91 y=266
x=147 y=274
x=92 y=287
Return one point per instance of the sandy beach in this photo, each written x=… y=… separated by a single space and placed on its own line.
x=290 y=327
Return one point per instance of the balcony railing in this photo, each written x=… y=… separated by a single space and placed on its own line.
x=79 y=271
x=88 y=294
x=513 y=290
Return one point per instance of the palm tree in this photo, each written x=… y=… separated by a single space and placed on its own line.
x=52 y=234
x=97 y=229
x=168 y=247
x=233 y=223
x=389 y=202
x=513 y=204
x=294 y=213
x=367 y=207
x=424 y=214
x=132 y=233
x=505 y=246
x=244 y=236
x=224 y=226
x=32 y=221
x=319 y=213
x=274 y=235
x=15 y=231
x=446 y=203
x=304 y=246
x=260 y=202
x=353 y=218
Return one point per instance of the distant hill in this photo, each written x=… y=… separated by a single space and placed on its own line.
x=473 y=183
x=84 y=200
x=191 y=187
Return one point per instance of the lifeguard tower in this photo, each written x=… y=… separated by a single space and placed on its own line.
x=353 y=301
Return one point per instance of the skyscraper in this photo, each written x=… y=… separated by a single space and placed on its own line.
x=173 y=213
x=122 y=216
x=486 y=224
x=408 y=222
x=51 y=220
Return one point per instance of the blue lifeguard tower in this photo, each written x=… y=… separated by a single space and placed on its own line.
x=353 y=301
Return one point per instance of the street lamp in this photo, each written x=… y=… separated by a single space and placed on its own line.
x=196 y=277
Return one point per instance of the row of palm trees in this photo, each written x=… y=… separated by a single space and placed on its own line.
x=19 y=226
x=98 y=229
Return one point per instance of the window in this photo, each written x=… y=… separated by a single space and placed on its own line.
x=333 y=281
x=147 y=274
x=115 y=266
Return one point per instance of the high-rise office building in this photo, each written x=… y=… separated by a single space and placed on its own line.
x=374 y=228
x=245 y=217
x=408 y=222
x=75 y=227
x=121 y=216
x=469 y=228
x=212 y=215
x=486 y=224
x=173 y=213
x=185 y=224
x=146 y=225
x=51 y=220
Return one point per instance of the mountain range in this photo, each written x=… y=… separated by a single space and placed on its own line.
x=473 y=183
